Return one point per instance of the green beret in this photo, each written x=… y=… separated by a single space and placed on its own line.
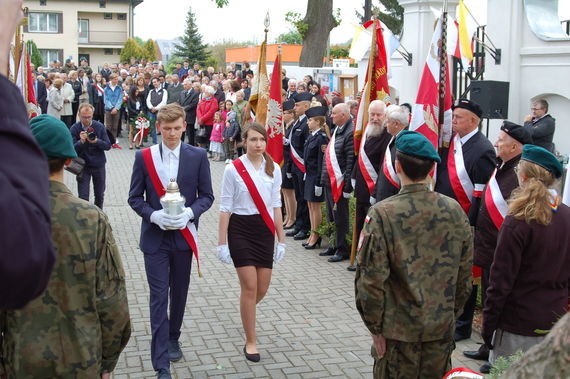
x=53 y=137
x=543 y=158
x=417 y=145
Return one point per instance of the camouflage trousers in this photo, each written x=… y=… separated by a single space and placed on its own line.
x=409 y=360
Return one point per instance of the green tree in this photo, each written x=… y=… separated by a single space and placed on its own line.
x=150 y=50
x=131 y=49
x=292 y=37
x=35 y=55
x=338 y=52
x=191 y=46
x=218 y=52
x=389 y=12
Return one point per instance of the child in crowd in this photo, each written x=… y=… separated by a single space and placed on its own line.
x=222 y=110
x=228 y=107
x=216 y=138
x=230 y=134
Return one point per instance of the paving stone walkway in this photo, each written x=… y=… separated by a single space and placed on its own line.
x=308 y=326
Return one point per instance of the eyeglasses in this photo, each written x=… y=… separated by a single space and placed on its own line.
x=535 y=109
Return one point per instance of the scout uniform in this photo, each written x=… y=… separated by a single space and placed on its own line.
x=314 y=157
x=413 y=274
x=78 y=326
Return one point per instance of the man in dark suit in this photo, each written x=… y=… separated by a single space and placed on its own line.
x=189 y=99
x=168 y=252
x=541 y=125
x=40 y=92
x=473 y=160
x=106 y=72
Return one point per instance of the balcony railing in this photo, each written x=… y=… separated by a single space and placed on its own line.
x=94 y=37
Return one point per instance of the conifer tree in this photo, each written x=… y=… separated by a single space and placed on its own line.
x=191 y=46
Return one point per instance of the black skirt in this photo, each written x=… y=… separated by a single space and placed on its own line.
x=286 y=183
x=250 y=241
x=310 y=184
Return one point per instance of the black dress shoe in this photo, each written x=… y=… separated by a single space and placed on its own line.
x=174 y=352
x=163 y=373
x=251 y=357
x=301 y=235
x=481 y=355
x=329 y=251
x=351 y=268
x=291 y=233
x=486 y=368
x=337 y=258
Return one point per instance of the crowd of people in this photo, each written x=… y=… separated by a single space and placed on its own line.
x=432 y=225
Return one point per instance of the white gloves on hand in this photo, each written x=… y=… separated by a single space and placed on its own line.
x=353 y=182
x=289 y=175
x=285 y=141
x=346 y=195
x=161 y=219
x=279 y=252
x=224 y=254
x=318 y=191
x=372 y=200
x=180 y=221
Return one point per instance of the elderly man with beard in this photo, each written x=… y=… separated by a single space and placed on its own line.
x=388 y=183
x=365 y=173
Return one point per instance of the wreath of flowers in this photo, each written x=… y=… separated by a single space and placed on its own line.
x=142 y=124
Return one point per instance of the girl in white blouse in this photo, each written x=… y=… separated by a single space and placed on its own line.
x=246 y=233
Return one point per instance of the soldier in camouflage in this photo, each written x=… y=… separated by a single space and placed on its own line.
x=80 y=324
x=414 y=270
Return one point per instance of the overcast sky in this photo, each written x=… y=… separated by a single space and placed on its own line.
x=242 y=20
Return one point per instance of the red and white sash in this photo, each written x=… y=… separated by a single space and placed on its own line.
x=495 y=202
x=333 y=169
x=254 y=192
x=159 y=179
x=388 y=168
x=458 y=176
x=366 y=168
x=297 y=159
x=101 y=91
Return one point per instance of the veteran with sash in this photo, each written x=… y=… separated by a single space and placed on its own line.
x=167 y=252
x=466 y=166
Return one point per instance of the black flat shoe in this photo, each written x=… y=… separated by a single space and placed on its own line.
x=337 y=258
x=251 y=357
x=314 y=246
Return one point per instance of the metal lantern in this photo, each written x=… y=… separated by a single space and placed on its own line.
x=172 y=201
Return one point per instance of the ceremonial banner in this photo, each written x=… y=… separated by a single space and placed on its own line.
x=376 y=82
x=274 y=124
x=260 y=90
x=425 y=114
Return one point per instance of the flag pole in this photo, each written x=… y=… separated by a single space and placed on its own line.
x=442 y=76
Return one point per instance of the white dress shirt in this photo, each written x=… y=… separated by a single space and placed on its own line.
x=171 y=160
x=235 y=195
x=468 y=136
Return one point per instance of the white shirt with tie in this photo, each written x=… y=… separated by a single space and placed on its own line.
x=171 y=160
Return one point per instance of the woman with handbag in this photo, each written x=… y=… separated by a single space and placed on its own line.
x=205 y=117
x=249 y=219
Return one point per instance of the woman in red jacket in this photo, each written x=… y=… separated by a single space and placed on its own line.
x=528 y=286
x=205 y=117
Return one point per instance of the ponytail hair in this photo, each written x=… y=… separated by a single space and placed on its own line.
x=256 y=127
x=531 y=201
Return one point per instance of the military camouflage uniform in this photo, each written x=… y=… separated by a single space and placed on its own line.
x=413 y=277
x=79 y=325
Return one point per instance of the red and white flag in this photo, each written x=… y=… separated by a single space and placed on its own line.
x=425 y=115
x=274 y=123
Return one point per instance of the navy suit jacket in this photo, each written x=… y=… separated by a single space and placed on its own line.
x=195 y=185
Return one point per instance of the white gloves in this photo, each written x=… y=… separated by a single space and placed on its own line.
x=346 y=195
x=279 y=252
x=285 y=141
x=353 y=182
x=318 y=191
x=161 y=219
x=289 y=175
x=180 y=221
x=224 y=254
x=372 y=200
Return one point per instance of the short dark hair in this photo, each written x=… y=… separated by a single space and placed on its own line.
x=415 y=168
x=56 y=164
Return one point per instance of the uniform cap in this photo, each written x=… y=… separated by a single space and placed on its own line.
x=543 y=158
x=316 y=111
x=518 y=132
x=417 y=145
x=288 y=105
x=303 y=96
x=471 y=106
x=53 y=137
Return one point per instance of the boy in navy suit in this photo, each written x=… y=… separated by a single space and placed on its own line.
x=168 y=253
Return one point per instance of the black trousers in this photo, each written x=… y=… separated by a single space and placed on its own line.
x=191 y=133
x=339 y=214
x=84 y=181
x=463 y=325
x=303 y=222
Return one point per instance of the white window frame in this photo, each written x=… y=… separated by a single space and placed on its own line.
x=37 y=16
x=49 y=55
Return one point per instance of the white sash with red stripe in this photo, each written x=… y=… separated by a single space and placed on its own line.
x=366 y=168
x=388 y=168
x=333 y=169
x=458 y=176
x=159 y=179
x=297 y=159
x=495 y=202
x=101 y=91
